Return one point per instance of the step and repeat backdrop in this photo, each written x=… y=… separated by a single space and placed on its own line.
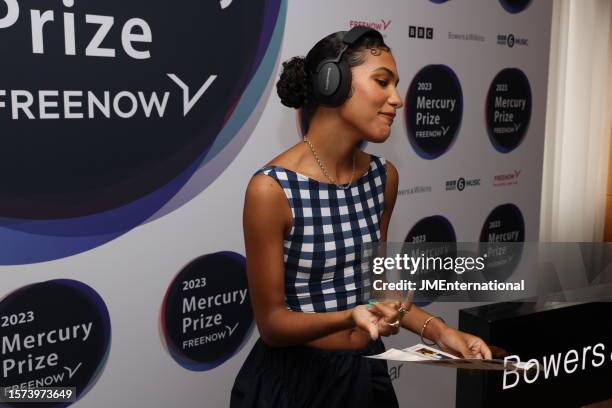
x=129 y=131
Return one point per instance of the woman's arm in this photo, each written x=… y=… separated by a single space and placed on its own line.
x=416 y=318
x=389 y=203
x=266 y=219
x=390 y=198
x=447 y=338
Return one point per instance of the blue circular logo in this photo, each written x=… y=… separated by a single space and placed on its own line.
x=502 y=237
x=54 y=334
x=206 y=315
x=508 y=109
x=515 y=6
x=431 y=236
x=85 y=155
x=434 y=109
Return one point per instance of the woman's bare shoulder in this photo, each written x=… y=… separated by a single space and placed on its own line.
x=263 y=189
x=300 y=159
x=290 y=158
x=265 y=202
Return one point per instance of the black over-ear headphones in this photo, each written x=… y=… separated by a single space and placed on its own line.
x=331 y=83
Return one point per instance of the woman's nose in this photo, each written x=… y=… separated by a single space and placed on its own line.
x=395 y=100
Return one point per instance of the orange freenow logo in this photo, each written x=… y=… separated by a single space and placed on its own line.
x=506 y=179
x=380 y=25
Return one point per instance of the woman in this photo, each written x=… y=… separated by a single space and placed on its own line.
x=307 y=215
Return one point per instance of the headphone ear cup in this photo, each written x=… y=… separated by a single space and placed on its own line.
x=344 y=86
x=332 y=83
x=328 y=79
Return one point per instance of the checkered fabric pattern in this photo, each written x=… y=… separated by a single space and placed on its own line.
x=323 y=250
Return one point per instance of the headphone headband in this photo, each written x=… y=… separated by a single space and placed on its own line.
x=352 y=36
x=356 y=33
x=332 y=79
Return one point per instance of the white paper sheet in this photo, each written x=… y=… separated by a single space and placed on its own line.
x=423 y=354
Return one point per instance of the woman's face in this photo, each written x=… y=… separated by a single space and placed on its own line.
x=372 y=106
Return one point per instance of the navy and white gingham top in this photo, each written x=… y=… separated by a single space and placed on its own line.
x=323 y=249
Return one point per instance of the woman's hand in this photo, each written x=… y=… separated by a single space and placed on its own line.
x=381 y=318
x=366 y=321
x=463 y=344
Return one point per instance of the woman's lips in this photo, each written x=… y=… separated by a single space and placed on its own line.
x=389 y=116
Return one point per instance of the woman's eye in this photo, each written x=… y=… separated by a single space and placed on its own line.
x=382 y=82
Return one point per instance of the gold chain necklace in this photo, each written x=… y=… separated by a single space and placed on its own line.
x=324 y=170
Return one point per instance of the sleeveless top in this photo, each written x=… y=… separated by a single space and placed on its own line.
x=324 y=264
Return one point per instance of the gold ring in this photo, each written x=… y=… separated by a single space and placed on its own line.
x=394 y=324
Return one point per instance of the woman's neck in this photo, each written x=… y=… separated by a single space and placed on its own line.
x=334 y=142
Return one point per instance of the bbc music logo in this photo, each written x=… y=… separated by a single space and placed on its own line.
x=511 y=40
x=461 y=183
x=426 y=33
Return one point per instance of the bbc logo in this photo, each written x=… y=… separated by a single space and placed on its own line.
x=420 y=32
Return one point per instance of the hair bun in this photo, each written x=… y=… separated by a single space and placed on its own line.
x=292 y=87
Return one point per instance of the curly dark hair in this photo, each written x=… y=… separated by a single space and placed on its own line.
x=294 y=86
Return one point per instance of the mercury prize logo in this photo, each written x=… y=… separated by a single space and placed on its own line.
x=514 y=6
x=434 y=109
x=502 y=235
x=206 y=314
x=125 y=111
x=431 y=236
x=508 y=109
x=53 y=334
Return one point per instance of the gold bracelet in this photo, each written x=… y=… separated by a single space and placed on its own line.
x=429 y=319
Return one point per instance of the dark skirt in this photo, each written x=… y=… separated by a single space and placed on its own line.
x=300 y=377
